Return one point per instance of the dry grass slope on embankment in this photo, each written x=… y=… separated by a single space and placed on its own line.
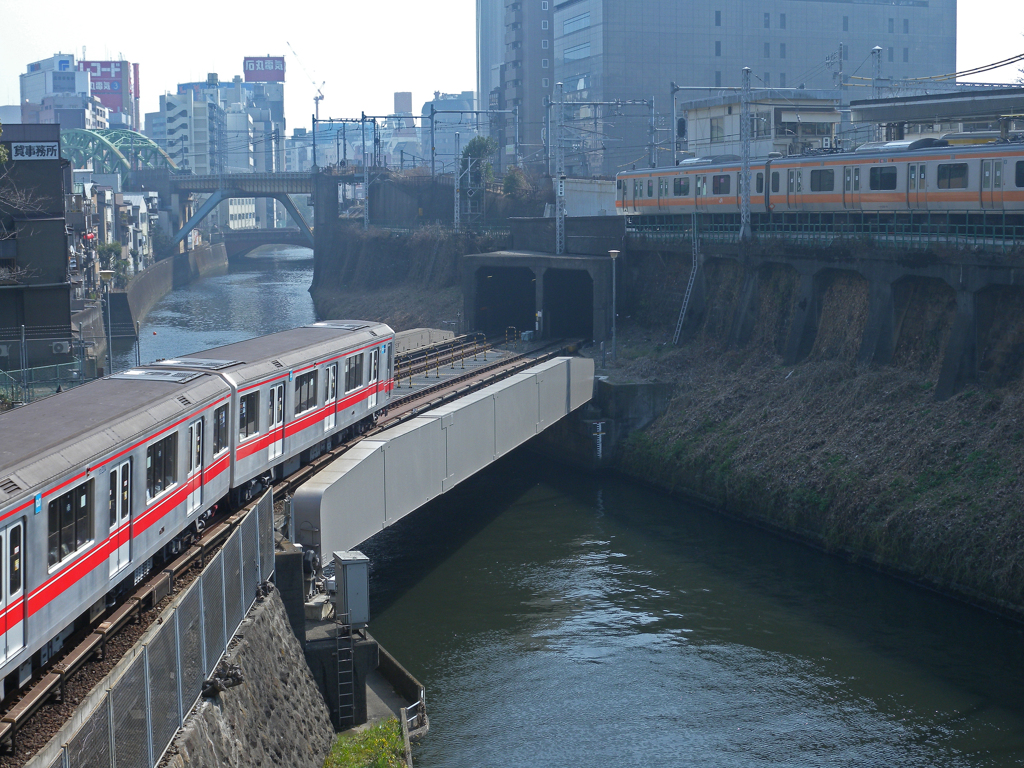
x=860 y=460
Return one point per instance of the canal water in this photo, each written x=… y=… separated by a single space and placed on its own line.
x=559 y=619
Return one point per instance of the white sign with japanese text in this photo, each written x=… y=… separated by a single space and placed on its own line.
x=35 y=150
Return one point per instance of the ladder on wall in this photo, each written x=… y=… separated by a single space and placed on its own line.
x=346 y=674
x=689 y=284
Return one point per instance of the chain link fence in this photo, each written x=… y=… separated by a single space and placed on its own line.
x=137 y=715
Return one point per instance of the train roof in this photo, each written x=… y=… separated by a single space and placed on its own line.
x=50 y=437
x=259 y=357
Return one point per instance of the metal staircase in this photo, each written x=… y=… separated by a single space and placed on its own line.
x=689 y=284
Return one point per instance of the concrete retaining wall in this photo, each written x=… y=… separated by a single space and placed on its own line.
x=276 y=717
x=415 y=338
x=151 y=285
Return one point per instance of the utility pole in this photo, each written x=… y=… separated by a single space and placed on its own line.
x=651 y=134
x=745 y=156
x=433 y=150
x=366 y=175
x=458 y=183
x=547 y=133
x=560 y=177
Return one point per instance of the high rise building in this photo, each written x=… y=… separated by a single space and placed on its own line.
x=56 y=74
x=490 y=48
x=455 y=117
x=116 y=85
x=528 y=68
x=612 y=50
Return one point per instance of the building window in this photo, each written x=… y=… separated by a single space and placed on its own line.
x=544 y=63
x=543 y=23
x=782 y=50
x=248 y=415
x=353 y=373
x=70 y=526
x=576 y=52
x=782 y=79
x=884 y=177
x=545 y=83
x=717 y=130
x=220 y=429
x=767 y=50
x=906 y=26
x=767 y=21
x=846 y=23
x=890 y=53
x=544 y=5
x=906 y=54
x=718 y=79
x=544 y=44
x=575 y=23
x=892 y=26
x=782 y=21
x=718 y=18
x=161 y=465
x=767 y=79
x=718 y=47
x=305 y=392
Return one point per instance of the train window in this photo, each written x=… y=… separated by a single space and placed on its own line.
x=953 y=176
x=760 y=183
x=70 y=523
x=882 y=177
x=823 y=180
x=248 y=415
x=305 y=392
x=354 y=372
x=1020 y=173
x=14 y=560
x=650 y=187
x=720 y=184
x=681 y=187
x=775 y=181
x=220 y=429
x=161 y=465
x=618 y=183
x=330 y=383
x=799 y=181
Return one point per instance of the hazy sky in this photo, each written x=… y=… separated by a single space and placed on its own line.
x=363 y=52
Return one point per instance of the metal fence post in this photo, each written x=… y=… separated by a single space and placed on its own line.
x=177 y=668
x=149 y=709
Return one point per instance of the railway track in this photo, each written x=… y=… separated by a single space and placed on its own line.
x=21 y=714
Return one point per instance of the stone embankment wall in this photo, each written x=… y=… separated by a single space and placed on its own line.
x=277 y=717
x=858 y=458
x=151 y=285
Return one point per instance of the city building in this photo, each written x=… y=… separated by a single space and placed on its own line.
x=786 y=121
x=456 y=117
x=621 y=51
x=34 y=249
x=56 y=74
x=69 y=110
x=490 y=48
x=116 y=85
x=528 y=72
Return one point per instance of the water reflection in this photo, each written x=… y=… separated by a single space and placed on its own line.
x=564 y=620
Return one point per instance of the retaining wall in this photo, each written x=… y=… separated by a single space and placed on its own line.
x=151 y=285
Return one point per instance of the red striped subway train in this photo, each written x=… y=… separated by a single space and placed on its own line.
x=926 y=175
x=100 y=481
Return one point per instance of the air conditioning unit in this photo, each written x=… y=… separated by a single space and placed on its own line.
x=826 y=142
x=5 y=350
x=61 y=347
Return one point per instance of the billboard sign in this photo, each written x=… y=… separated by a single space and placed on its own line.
x=263 y=69
x=110 y=81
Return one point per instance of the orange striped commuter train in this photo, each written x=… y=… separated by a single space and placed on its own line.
x=922 y=175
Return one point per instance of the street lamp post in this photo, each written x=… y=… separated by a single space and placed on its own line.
x=613 y=254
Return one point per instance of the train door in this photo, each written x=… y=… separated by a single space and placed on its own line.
x=637 y=193
x=330 y=396
x=917 y=191
x=851 y=186
x=275 y=419
x=195 y=466
x=12 y=590
x=120 y=516
x=622 y=194
x=991 y=183
x=700 y=192
x=371 y=399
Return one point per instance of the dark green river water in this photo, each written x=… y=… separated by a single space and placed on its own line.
x=558 y=619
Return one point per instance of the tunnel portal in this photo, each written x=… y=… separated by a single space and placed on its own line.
x=505 y=297
x=568 y=304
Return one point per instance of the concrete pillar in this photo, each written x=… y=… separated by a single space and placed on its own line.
x=878 y=339
x=805 y=323
x=960 y=361
x=538 y=273
x=746 y=310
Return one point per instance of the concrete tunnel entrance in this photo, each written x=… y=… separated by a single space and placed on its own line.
x=505 y=296
x=568 y=304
